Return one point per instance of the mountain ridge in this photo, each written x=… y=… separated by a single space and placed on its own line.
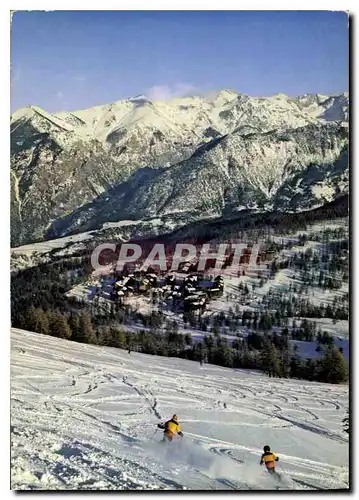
x=249 y=148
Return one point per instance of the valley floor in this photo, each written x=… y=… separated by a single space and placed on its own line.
x=84 y=417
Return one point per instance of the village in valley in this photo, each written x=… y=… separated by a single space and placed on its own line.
x=296 y=278
x=186 y=290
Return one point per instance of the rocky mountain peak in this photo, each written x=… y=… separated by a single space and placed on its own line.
x=216 y=154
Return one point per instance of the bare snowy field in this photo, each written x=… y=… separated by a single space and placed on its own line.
x=48 y=245
x=84 y=417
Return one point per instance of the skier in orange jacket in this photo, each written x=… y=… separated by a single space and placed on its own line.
x=171 y=428
x=269 y=459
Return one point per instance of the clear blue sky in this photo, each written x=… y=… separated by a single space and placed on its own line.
x=67 y=60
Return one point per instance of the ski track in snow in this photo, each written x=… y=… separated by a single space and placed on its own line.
x=84 y=417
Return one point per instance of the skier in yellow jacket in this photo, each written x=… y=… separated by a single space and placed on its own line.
x=170 y=429
x=269 y=459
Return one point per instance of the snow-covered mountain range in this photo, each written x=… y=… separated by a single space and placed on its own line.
x=189 y=158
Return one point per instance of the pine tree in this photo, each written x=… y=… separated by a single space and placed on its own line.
x=285 y=363
x=85 y=332
x=310 y=369
x=270 y=360
x=43 y=322
x=74 y=324
x=224 y=355
x=209 y=343
x=265 y=323
x=333 y=367
x=36 y=320
x=129 y=341
x=121 y=339
x=105 y=337
x=295 y=366
x=58 y=325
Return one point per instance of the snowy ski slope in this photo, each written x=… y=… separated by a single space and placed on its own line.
x=84 y=417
